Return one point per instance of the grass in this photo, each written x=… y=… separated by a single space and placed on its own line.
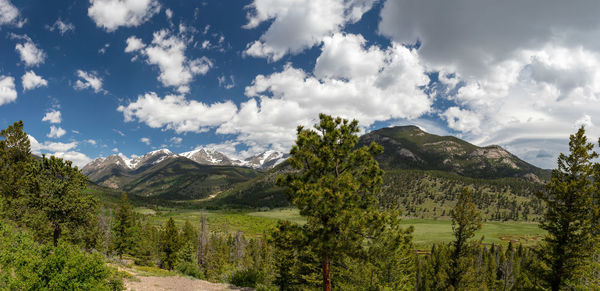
x=426 y=231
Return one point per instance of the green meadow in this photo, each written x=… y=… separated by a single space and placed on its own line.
x=426 y=231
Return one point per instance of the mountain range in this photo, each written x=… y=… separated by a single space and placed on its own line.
x=425 y=163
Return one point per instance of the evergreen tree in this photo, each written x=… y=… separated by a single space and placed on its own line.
x=57 y=199
x=123 y=228
x=335 y=187
x=571 y=216
x=15 y=160
x=169 y=245
x=189 y=235
x=466 y=220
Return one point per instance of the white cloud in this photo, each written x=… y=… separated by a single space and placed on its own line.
x=111 y=14
x=299 y=24
x=145 y=140
x=30 y=54
x=8 y=93
x=169 y=13
x=31 y=81
x=133 y=44
x=167 y=51
x=279 y=102
x=225 y=82
x=115 y=150
x=119 y=132
x=56 y=132
x=176 y=140
x=88 y=80
x=78 y=159
x=526 y=71
x=9 y=14
x=177 y=113
x=61 y=26
x=53 y=116
x=91 y=141
x=59 y=150
x=102 y=50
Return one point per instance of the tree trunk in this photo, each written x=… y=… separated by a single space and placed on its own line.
x=326 y=275
x=56 y=234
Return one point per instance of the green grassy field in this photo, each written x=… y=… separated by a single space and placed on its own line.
x=426 y=231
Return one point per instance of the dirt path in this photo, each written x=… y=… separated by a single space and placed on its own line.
x=175 y=283
x=160 y=283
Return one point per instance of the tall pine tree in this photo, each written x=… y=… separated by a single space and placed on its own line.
x=466 y=220
x=335 y=188
x=169 y=244
x=571 y=219
x=123 y=227
x=15 y=160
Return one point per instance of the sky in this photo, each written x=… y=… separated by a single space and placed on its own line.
x=99 y=77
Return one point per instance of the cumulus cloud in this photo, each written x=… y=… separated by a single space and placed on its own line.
x=8 y=93
x=91 y=141
x=111 y=14
x=167 y=51
x=145 y=140
x=31 y=81
x=177 y=113
x=299 y=24
x=59 y=150
x=56 y=132
x=366 y=83
x=53 y=116
x=523 y=71
x=133 y=44
x=9 y=14
x=61 y=26
x=88 y=80
x=30 y=54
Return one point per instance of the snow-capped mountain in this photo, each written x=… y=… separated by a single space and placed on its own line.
x=203 y=156
x=268 y=159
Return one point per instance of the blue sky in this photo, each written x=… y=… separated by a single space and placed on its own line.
x=94 y=78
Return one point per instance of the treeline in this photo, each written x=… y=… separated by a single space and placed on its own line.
x=432 y=194
x=49 y=226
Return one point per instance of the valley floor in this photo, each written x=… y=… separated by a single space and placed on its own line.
x=426 y=231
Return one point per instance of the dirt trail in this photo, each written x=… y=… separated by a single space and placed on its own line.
x=172 y=283
x=175 y=283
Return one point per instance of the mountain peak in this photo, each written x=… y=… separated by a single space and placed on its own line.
x=410 y=147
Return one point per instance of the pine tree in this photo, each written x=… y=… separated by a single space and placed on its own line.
x=15 y=160
x=123 y=228
x=571 y=219
x=466 y=220
x=169 y=245
x=57 y=199
x=335 y=187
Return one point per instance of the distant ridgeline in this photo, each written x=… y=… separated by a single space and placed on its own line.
x=424 y=173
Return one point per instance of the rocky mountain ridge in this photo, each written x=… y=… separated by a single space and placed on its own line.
x=202 y=156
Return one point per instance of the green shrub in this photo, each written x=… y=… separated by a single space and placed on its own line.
x=246 y=278
x=27 y=265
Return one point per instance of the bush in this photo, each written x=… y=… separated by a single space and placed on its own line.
x=27 y=265
x=189 y=269
x=246 y=278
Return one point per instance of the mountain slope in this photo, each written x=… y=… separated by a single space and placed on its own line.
x=408 y=147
